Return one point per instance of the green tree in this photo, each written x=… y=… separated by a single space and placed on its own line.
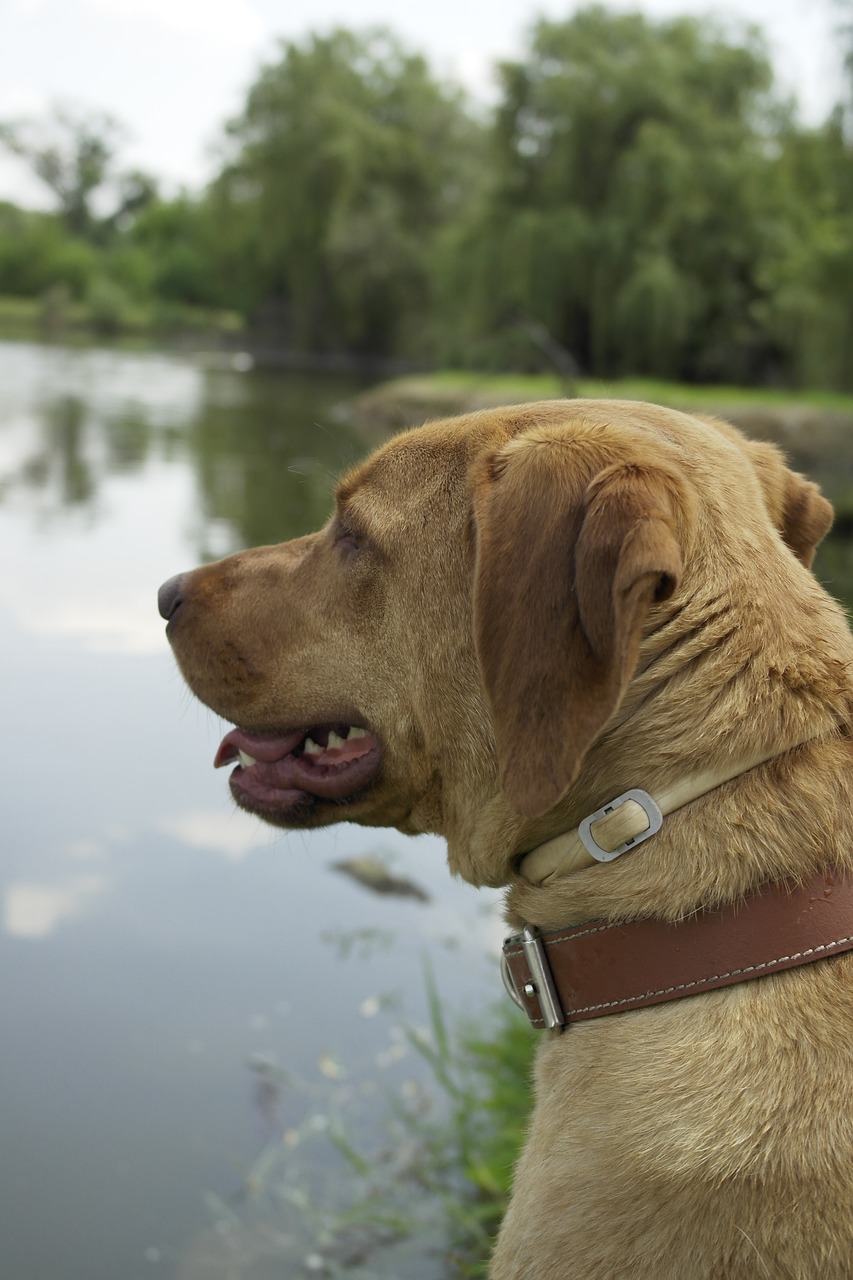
x=37 y=253
x=348 y=158
x=808 y=304
x=176 y=238
x=73 y=152
x=631 y=204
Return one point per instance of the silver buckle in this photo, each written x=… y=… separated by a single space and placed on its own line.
x=646 y=803
x=506 y=976
x=542 y=983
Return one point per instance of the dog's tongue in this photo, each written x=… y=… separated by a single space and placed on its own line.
x=271 y=772
x=259 y=746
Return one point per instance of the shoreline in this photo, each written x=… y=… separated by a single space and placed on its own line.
x=801 y=420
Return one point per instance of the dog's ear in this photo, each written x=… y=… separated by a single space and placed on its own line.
x=796 y=505
x=567 y=568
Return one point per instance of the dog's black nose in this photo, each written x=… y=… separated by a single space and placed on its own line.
x=169 y=596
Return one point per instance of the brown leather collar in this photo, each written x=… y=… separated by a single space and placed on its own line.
x=596 y=969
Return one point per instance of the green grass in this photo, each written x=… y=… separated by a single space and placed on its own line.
x=468 y=1159
x=543 y=386
x=25 y=317
x=39 y=317
x=489 y=1124
x=19 y=310
x=676 y=393
x=433 y=1175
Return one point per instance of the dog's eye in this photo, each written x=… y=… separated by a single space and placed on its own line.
x=349 y=541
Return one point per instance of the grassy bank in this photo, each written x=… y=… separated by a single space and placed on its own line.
x=421 y=1192
x=407 y=401
x=469 y=1158
x=107 y=313
x=541 y=386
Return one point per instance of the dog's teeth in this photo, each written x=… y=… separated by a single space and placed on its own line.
x=246 y=760
x=312 y=748
x=335 y=740
x=355 y=732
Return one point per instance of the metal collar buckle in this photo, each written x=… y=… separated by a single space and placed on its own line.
x=542 y=982
x=646 y=803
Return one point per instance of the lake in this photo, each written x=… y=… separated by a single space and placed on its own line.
x=200 y=1014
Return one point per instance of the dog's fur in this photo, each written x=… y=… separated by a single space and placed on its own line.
x=534 y=609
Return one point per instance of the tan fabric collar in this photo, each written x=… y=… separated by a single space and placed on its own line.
x=627 y=820
x=596 y=969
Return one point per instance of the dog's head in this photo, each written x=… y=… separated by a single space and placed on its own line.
x=445 y=652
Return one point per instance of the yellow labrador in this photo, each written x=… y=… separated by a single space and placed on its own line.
x=510 y=619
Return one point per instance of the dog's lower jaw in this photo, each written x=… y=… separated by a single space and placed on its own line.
x=483 y=842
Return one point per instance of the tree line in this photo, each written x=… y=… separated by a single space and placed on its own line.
x=642 y=199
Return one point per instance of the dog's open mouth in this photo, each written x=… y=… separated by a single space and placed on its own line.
x=277 y=774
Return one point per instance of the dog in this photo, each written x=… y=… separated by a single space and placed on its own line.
x=509 y=619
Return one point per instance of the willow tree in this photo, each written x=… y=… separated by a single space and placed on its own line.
x=631 y=201
x=347 y=158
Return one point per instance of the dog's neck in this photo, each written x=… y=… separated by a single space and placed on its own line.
x=626 y=821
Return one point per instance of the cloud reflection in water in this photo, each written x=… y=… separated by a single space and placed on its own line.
x=35 y=910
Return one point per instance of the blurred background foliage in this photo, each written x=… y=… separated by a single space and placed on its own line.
x=641 y=199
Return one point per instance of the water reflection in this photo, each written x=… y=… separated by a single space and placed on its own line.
x=181 y=462
x=264 y=453
x=35 y=910
x=234 y=838
x=154 y=942
x=72 y=418
x=266 y=466
x=60 y=462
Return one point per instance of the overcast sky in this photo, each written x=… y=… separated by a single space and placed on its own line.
x=173 y=70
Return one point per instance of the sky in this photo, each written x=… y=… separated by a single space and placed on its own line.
x=172 y=71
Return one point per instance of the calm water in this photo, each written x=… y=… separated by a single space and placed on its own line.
x=189 y=1000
